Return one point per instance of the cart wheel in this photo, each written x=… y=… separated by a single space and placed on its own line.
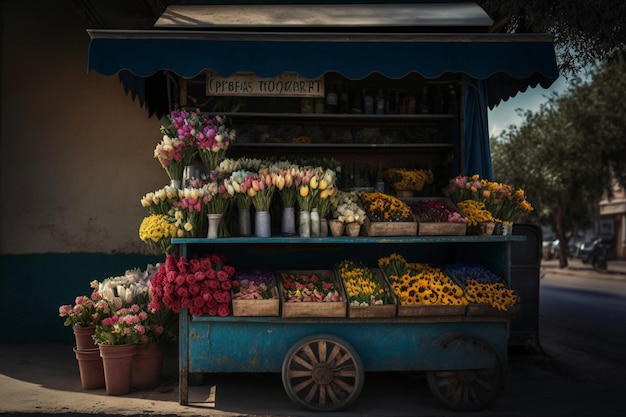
x=468 y=389
x=322 y=373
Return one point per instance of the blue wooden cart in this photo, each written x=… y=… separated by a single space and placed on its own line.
x=323 y=361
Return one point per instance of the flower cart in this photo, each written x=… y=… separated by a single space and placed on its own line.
x=324 y=360
x=366 y=97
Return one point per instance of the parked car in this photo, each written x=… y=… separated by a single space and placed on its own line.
x=598 y=246
x=547 y=249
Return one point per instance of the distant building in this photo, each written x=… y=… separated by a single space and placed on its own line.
x=612 y=221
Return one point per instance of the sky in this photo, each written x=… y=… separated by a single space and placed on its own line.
x=504 y=114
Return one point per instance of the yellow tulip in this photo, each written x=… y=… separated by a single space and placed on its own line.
x=323 y=184
x=313 y=183
x=251 y=192
x=324 y=194
x=304 y=190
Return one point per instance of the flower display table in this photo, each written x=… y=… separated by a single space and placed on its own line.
x=458 y=352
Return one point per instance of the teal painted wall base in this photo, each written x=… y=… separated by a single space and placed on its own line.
x=33 y=286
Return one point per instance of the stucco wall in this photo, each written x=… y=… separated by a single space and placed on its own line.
x=76 y=158
x=76 y=151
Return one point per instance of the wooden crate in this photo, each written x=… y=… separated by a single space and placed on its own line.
x=430 y=310
x=474 y=309
x=250 y=308
x=371 y=228
x=384 y=310
x=437 y=228
x=313 y=309
x=441 y=229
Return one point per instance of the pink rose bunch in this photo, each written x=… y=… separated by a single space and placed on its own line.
x=200 y=284
x=125 y=326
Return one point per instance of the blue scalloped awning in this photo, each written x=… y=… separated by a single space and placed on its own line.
x=506 y=63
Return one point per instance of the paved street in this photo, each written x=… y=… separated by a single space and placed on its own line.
x=43 y=378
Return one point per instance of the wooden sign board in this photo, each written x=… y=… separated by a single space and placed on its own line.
x=288 y=84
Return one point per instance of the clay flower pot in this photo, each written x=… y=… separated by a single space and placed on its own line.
x=90 y=368
x=117 y=361
x=336 y=227
x=147 y=366
x=83 y=337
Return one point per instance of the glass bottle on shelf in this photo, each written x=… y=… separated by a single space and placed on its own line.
x=424 y=101
x=331 y=100
x=368 y=103
x=380 y=102
x=355 y=102
x=344 y=101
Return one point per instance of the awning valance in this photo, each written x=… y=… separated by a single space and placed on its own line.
x=507 y=64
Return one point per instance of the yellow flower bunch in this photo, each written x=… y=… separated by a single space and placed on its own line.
x=363 y=287
x=504 y=202
x=475 y=212
x=496 y=294
x=406 y=179
x=157 y=231
x=421 y=284
x=382 y=207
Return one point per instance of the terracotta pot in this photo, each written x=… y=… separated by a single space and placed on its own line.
x=83 y=337
x=90 y=368
x=117 y=361
x=353 y=229
x=147 y=366
x=336 y=227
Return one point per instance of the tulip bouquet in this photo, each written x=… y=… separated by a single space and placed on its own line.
x=186 y=126
x=169 y=152
x=502 y=200
x=237 y=188
x=285 y=182
x=160 y=201
x=261 y=189
x=217 y=197
x=304 y=196
x=125 y=290
x=190 y=211
x=214 y=141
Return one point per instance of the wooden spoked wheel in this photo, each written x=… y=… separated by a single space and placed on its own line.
x=468 y=389
x=322 y=373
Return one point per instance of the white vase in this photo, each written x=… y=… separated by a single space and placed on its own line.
x=214 y=225
x=315 y=223
x=262 y=224
x=245 y=227
x=176 y=184
x=288 y=221
x=304 y=228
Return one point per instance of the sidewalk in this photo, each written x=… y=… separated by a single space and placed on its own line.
x=616 y=269
x=44 y=379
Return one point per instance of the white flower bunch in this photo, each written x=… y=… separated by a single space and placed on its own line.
x=347 y=208
x=130 y=288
